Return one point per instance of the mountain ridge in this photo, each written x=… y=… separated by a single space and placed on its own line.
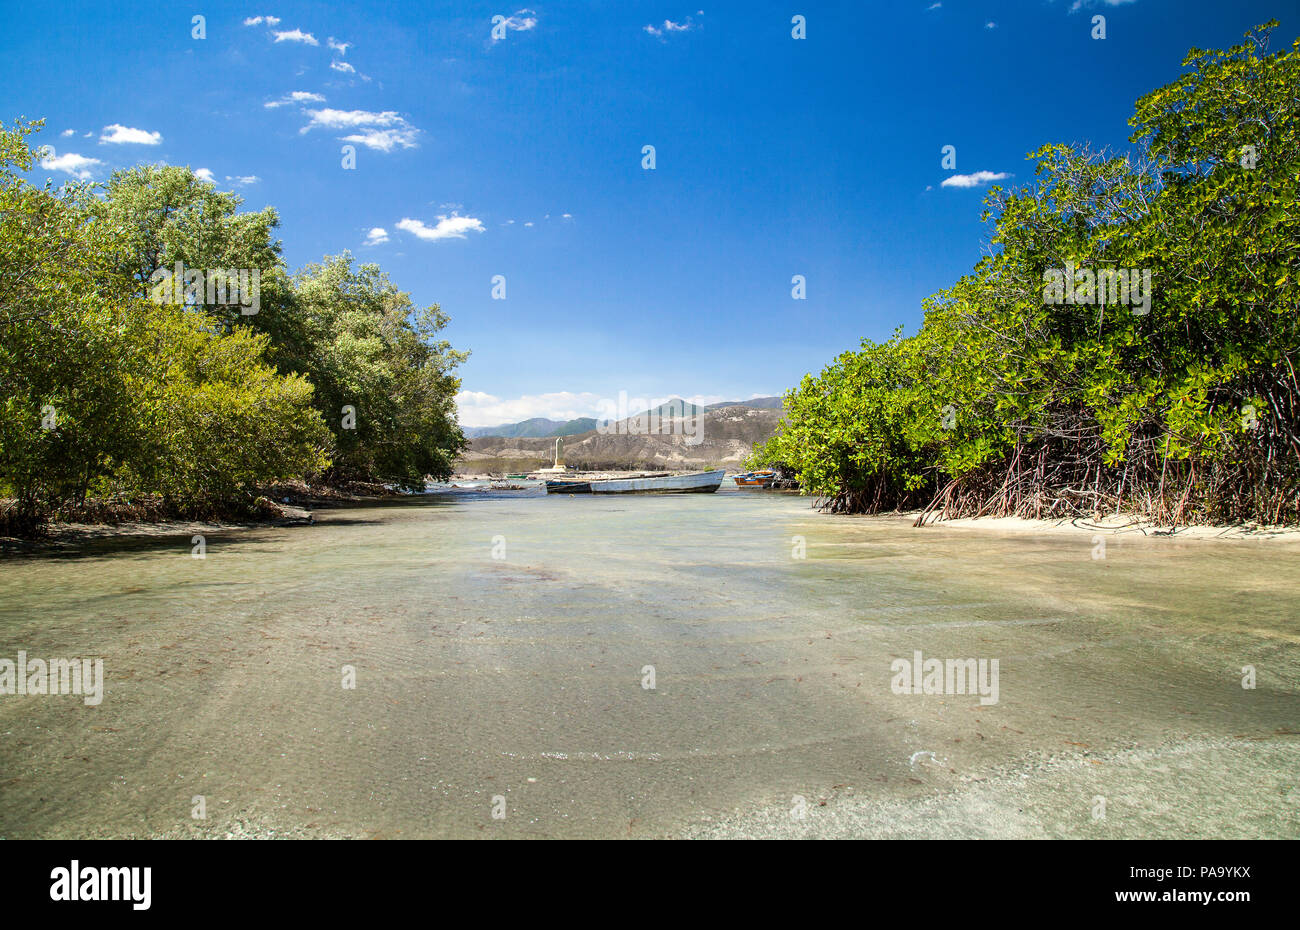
x=723 y=436
x=542 y=427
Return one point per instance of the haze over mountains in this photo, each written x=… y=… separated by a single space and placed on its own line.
x=540 y=426
x=719 y=435
x=537 y=426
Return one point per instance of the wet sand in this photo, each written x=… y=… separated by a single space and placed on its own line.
x=521 y=677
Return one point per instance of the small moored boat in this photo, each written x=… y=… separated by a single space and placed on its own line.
x=762 y=478
x=700 y=482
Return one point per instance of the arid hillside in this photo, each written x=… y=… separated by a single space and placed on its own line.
x=727 y=435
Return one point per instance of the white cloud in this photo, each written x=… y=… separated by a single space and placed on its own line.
x=295 y=35
x=383 y=140
x=529 y=223
x=205 y=174
x=348 y=119
x=934 y=6
x=377 y=236
x=244 y=180
x=79 y=166
x=977 y=179
x=1080 y=4
x=669 y=27
x=449 y=227
x=297 y=96
x=566 y=216
x=118 y=134
x=478 y=408
x=258 y=20
x=522 y=21
x=343 y=66
x=68 y=132
x=340 y=47
x=990 y=25
x=383 y=131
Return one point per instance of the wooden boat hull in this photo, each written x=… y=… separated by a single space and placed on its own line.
x=568 y=487
x=754 y=479
x=703 y=482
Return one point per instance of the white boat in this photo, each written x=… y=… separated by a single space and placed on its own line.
x=699 y=482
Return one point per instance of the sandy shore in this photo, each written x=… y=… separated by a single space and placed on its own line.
x=522 y=678
x=73 y=535
x=1116 y=526
x=70 y=536
x=1174 y=789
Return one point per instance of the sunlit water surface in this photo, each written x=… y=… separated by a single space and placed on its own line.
x=502 y=643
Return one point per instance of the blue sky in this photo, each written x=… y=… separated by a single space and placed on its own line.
x=522 y=157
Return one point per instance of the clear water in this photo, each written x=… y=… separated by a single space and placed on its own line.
x=521 y=676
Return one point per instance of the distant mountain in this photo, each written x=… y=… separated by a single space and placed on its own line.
x=537 y=427
x=759 y=403
x=540 y=427
x=672 y=408
x=724 y=437
x=573 y=427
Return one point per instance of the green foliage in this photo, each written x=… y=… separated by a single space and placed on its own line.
x=349 y=331
x=215 y=418
x=164 y=215
x=109 y=393
x=366 y=346
x=1005 y=401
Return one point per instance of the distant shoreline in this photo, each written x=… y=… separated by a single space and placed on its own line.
x=289 y=505
x=64 y=537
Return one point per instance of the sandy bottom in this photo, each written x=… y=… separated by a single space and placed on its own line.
x=503 y=646
x=1121 y=526
x=1173 y=791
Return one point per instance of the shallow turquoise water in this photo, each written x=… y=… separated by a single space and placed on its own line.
x=500 y=645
